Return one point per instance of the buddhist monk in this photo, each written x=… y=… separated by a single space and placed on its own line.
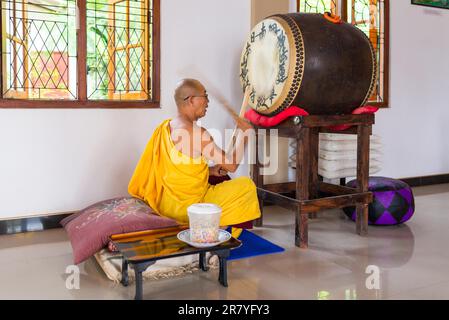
x=173 y=171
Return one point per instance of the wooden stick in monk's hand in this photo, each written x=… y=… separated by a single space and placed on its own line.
x=242 y=108
x=222 y=100
x=237 y=117
x=234 y=115
x=230 y=110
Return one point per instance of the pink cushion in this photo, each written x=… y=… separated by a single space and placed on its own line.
x=89 y=229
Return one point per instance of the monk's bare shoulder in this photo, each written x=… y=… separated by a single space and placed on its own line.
x=180 y=131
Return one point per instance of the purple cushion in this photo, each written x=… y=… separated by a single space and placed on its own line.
x=393 y=201
x=89 y=229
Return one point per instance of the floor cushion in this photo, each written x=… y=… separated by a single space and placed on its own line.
x=89 y=229
x=393 y=201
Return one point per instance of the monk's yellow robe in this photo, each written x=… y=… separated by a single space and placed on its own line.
x=170 y=181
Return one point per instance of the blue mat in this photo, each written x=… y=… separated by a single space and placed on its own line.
x=253 y=245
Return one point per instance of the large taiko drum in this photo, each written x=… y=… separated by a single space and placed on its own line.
x=312 y=61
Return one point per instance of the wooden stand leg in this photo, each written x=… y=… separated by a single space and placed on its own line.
x=258 y=179
x=302 y=186
x=298 y=232
x=313 y=178
x=363 y=136
x=362 y=219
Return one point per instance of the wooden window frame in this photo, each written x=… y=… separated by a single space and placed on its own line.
x=18 y=45
x=82 y=101
x=386 y=49
x=112 y=47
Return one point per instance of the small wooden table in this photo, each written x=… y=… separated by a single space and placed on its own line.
x=142 y=249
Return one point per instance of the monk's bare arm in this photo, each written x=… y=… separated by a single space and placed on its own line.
x=211 y=151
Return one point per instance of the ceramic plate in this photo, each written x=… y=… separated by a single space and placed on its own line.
x=223 y=236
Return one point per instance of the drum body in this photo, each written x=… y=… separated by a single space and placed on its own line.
x=305 y=60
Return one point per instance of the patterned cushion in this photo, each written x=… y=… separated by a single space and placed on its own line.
x=393 y=201
x=89 y=229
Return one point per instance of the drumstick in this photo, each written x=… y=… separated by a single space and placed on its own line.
x=222 y=100
x=234 y=115
x=230 y=110
x=236 y=118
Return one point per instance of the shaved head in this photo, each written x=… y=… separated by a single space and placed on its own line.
x=186 y=88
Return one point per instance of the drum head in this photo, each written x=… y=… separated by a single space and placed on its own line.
x=267 y=65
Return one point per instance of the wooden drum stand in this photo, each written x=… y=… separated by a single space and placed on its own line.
x=312 y=195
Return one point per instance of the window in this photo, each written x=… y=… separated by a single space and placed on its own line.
x=47 y=43
x=317 y=6
x=370 y=16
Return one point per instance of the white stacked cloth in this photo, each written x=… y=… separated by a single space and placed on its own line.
x=338 y=155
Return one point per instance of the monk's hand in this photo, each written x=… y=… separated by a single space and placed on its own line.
x=243 y=124
x=217 y=171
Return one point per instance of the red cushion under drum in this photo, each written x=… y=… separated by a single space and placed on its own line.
x=292 y=111
x=264 y=121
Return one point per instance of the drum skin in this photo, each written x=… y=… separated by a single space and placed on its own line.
x=331 y=69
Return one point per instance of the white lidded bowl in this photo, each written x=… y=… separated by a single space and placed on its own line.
x=204 y=222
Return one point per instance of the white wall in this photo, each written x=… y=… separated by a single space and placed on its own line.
x=62 y=160
x=414 y=130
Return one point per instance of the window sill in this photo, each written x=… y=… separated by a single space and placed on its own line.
x=74 y=104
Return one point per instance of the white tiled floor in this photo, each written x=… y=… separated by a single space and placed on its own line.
x=413 y=260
